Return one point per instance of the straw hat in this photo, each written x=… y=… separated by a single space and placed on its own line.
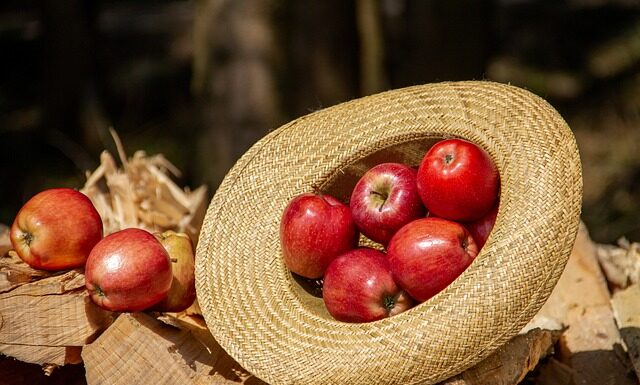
x=283 y=334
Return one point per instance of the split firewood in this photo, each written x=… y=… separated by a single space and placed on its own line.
x=43 y=316
x=14 y=272
x=621 y=264
x=142 y=194
x=139 y=349
x=49 y=357
x=510 y=363
x=626 y=306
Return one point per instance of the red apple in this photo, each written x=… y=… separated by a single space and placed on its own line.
x=457 y=180
x=56 y=229
x=359 y=287
x=314 y=230
x=481 y=228
x=428 y=254
x=128 y=270
x=183 y=285
x=385 y=199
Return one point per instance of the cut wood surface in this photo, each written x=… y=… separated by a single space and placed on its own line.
x=139 y=349
x=43 y=355
x=53 y=311
x=45 y=318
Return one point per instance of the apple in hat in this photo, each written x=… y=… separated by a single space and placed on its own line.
x=481 y=228
x=385 y=199
x=457 y=180
x=314 y=230
x=56 y=229
x=428 y=254
x=359 y=287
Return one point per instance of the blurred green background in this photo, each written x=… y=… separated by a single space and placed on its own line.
x=201 y=81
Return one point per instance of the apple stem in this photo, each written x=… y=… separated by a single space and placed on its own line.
x=98 y=290
x=448 y=158
x=382 y=196
x=27 y=238
x=389 y=302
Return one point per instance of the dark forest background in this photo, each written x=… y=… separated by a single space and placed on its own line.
x=201 y=81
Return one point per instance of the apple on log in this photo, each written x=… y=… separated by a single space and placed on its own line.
x=314 y=230
x=359 y=287
x=56 y=229
x=128 y=270
x=428 y=254
x=183 y=285
x=385 y=199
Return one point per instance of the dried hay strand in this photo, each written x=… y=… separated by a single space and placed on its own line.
x=142 y=194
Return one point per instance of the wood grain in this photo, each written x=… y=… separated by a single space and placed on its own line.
x=138 y=349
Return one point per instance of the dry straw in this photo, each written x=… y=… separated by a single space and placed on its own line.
x=281 y=333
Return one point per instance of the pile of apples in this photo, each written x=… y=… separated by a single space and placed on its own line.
x=431 y=223
x=129 y=270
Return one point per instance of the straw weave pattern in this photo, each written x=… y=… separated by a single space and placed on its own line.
x=283 y=335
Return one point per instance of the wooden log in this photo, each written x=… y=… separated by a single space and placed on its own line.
x=46 y=318
x=54 y=311
x=47 y=356
x=591 y=344
x=136 y=345
x=14 y=272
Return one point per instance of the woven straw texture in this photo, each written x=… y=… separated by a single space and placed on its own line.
x=283 y=334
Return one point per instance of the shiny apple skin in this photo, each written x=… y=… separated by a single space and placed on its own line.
x=385 y=199
x=428 y=254
x=481 y=228
x=128 y=271
x=457 y=180
x=314 y=230
x=359 y=287
x=56 y=229
x=183 y=285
